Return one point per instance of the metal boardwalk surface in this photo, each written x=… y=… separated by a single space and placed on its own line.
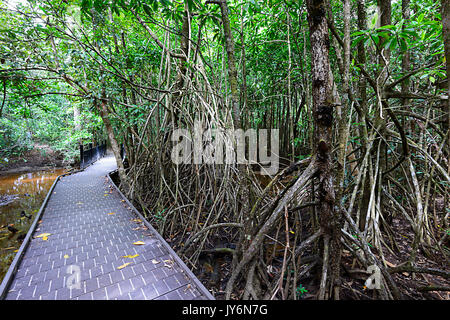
x=92 y=231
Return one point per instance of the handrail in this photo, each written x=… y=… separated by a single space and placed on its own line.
x=91 y=154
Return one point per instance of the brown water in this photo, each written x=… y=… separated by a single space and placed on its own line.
x=20 y=192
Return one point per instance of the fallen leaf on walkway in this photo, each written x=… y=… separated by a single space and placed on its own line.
x=168 y=263
x=131 y=256
x=155 y=261
x=79 y=203
x=111 y=213
x=43 y=235
x=136 y=220
x=139 y=243
x=66 y=256
x=45 y=238
x=123 y=266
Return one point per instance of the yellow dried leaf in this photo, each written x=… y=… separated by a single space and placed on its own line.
x=131 y=256
x=45 y=238
x=42 y=235
x=139 y=243
x=168 y=263
x=111 y=213
x=123 y=266
x=66 y=256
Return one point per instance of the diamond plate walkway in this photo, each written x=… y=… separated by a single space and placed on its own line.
x=92 y=229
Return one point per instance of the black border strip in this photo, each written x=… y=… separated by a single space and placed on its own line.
x=197 y=282
x=9 y=276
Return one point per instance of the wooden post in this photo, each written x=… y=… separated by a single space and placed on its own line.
x=90 y=152
x=81 y=156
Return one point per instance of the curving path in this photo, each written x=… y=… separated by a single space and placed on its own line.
x=90 y=253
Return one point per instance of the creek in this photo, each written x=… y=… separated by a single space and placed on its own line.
x=20 y=192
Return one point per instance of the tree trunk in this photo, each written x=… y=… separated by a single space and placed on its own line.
x=323 y=124
x=342 y=119
x=365 y=194
x=384 y=59
x=76 y=118
x=445 y=13
x=406 y=61
x=104 y=113
x=179 y=86
x=232 y=72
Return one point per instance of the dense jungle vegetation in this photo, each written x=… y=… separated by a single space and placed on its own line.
x=358 y=89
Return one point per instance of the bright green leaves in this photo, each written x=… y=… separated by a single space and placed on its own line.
x=389 y=36
x=422 y=32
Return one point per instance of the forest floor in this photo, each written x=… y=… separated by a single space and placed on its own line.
x=214 y=270
x=413 y=286
x=39 y=157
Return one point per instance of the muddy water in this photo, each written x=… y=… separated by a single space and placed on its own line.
x=20 y=192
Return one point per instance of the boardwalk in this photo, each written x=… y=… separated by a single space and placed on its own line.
x=92 y=235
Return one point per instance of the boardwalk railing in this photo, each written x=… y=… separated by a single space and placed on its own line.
x=91 y=154
x=123 y=152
